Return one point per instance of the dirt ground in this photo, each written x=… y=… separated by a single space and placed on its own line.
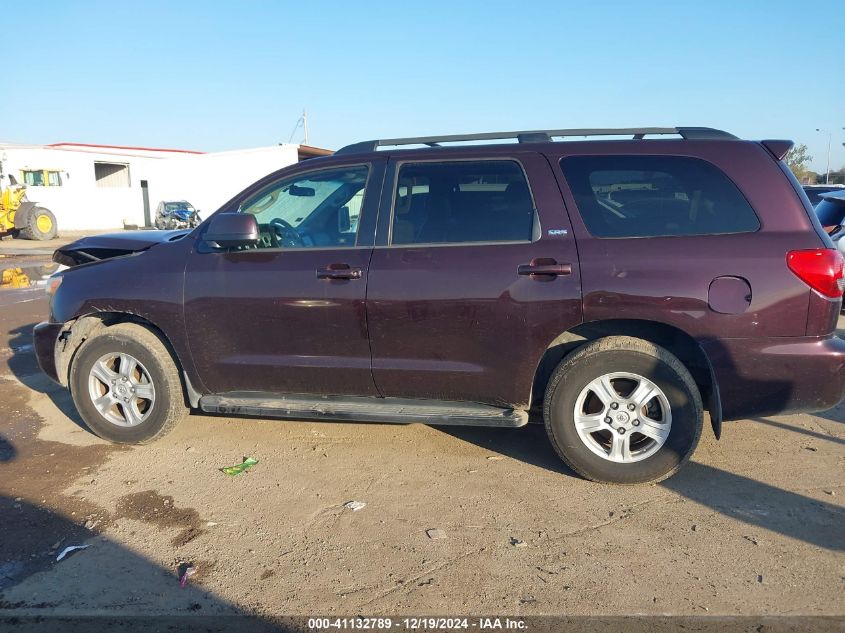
x=753 y=526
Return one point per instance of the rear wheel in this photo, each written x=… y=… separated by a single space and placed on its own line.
x=40 y=224
x=126 y=386
x=622 y=410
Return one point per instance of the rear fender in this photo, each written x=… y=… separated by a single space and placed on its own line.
x=689 y=350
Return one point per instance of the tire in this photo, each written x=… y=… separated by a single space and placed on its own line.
x=577 y=398
x=40 y=224
x=156 y=375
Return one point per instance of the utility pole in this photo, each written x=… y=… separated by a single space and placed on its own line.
x=303 y=120
x=829 y=139
x=305 y=127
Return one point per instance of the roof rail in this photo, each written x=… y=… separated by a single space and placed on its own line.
x=538 y=136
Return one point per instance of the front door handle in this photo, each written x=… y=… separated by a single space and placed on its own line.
x=338 y=271
x=545 y=267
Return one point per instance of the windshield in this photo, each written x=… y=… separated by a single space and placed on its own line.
x=177 y=206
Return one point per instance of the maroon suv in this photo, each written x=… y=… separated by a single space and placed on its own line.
x=617 y=289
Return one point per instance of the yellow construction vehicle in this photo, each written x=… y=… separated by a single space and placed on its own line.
x=14 y=278
x=21 y=218
x=25 y=277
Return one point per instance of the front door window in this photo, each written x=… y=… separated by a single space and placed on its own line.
x=315 y=210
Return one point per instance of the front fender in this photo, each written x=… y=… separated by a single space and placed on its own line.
x=146 y=287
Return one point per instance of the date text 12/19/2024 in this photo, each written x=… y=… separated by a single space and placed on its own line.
x=416 y=623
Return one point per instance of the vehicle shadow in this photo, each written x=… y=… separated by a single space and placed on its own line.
x=836 y=414
x=39 y=593
x=752 y=502
x=528 y=444
x=757 y=503
x=24 y=366
x=103 y=587
x=787 y=427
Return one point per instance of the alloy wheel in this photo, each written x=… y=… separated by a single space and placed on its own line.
x=623 y=417
x=121 y=389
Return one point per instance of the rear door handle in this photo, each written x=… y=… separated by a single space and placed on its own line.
x=338 y=271
x=544 y=266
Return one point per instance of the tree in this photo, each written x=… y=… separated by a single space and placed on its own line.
x=797 y=159
x=838 y=177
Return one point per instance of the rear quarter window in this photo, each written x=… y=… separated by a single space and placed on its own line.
x=654 y=196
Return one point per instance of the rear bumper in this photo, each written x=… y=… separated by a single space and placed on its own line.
x=45 y=335
x=777 y=375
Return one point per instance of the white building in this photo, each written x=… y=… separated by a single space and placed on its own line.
x=96 y=187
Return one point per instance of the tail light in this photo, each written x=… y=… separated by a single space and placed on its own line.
x=819 y=268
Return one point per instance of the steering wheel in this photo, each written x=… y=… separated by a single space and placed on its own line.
x=287 y=235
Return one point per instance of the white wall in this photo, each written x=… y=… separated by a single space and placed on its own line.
x=205 y=180
x=79 y=204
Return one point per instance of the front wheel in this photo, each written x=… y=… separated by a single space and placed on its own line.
x=40 y=225
x=126 y=386
x=623 y=410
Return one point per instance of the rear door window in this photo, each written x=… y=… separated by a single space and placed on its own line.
x=653 y=196
x=458 y=202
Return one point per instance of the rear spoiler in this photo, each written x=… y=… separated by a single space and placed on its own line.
x=778 y=148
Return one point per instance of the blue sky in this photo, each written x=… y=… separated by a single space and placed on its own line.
x=213 y=75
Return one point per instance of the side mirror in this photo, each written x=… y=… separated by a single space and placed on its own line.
x=344 y=223
x=232 y=229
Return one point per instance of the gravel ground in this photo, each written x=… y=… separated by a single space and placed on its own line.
x=752 y=526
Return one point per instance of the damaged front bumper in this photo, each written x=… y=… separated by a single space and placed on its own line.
x=56 y=344
x=46 y=336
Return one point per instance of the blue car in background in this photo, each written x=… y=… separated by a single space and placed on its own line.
x=176 y=214
x=814 y=192
x=831 y=213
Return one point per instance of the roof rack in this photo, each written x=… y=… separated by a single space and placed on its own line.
x=538 y=136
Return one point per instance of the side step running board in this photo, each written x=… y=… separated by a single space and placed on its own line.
x=358 y=409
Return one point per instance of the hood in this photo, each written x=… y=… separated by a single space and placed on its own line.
x=835 y=196
x=99 y=247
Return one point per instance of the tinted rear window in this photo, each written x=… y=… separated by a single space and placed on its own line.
x=652 y=196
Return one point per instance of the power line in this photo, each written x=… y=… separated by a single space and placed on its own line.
x=303 y=122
